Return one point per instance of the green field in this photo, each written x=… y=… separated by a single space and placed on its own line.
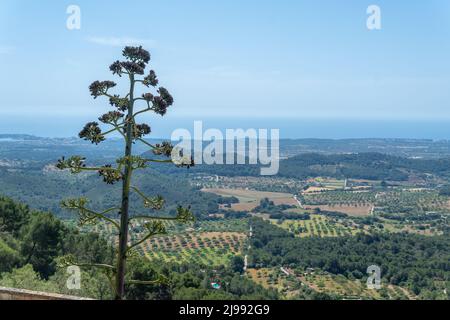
x=324 y=283
x=404 y=201
x=317 y=226
x=339 y=197
x=205 y=248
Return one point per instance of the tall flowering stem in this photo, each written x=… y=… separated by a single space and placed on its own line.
x=122 y=120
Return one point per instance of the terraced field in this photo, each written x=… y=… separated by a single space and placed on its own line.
x=206 y=248
x=324 y=283
x=317 y=226
x=212 y=242
x=340 y=197
x=362 y=203
x=355 y=289
x=223 y=225
x=353 y=203
x=412 y=201
x=276 y=279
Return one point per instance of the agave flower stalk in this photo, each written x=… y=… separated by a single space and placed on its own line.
x=122 y=120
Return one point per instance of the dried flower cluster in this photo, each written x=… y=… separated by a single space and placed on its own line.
x=111 y=117
x=118 y=102
x=92 y=132
x=164 y=149
x=99 y=88
x=75 y=164
x=110 y=175
x=151 y=79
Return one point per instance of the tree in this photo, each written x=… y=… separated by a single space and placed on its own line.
x=9 y=257
x=26 y=278
x=93 y=284
x=41 y=241
x=237 y=264
x=12 y=216
x=122 y=120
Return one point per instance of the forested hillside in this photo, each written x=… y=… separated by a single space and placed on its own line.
x=372 y=166
x=44 y=191
x=31 y=243
x=418 y=262
x=44 y=188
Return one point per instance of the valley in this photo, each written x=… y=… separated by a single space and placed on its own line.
x=316 y=198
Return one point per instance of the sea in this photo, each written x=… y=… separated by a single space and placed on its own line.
x=292 y=128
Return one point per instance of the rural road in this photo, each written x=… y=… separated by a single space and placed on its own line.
x=299 y=202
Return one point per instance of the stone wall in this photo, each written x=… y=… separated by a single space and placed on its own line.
x=20 y=294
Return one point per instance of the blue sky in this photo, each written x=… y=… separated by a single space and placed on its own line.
x=246 y=59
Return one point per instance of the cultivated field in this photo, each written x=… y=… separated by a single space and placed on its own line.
x=353 y=203
x=249 y=199
x=356 y=210
x=352 y=289
x=206 y=242
x=274 y=278
x=412 y=201
x=324 y=184
x=324 y=283
x=317 y=226
x=223 y=225
x=205 y=248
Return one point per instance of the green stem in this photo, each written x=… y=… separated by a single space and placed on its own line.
x=148 y=144
x=116 y=128
x=148 y=236
x=154 y=218
x=143 y=196
x=101 y=215
x=124 y=212
x=159 y=161
x=142 y=111
x=144 y=282
x=94 y=265
x=97 y=168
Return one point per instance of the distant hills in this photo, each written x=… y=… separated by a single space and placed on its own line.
x=19 y=137
x=25 y=159
x=371 y=166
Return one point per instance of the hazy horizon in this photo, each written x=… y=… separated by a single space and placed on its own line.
x=66 y=127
